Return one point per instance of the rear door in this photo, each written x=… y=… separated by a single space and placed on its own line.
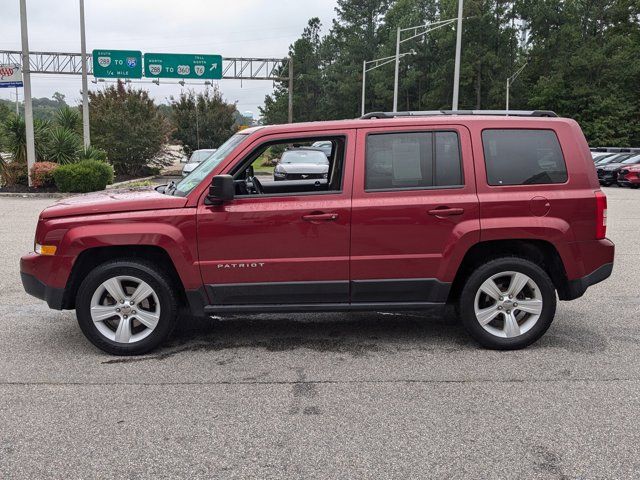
x=414 y=212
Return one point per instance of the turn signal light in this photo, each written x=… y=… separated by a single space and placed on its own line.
x=45 y=249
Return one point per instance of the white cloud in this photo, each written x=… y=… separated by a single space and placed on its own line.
x=236 y=28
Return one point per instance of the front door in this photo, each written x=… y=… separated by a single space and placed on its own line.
x=286 y=242
x=415 y=212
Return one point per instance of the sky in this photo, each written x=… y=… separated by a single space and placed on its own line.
x=231 y=28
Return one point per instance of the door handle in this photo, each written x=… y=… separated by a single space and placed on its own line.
x=446 y=211
x=320 y=217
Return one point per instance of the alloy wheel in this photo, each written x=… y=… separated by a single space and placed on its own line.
x=125 y=309
x=508 y=304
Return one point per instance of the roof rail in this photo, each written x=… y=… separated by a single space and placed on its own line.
x=428 y=113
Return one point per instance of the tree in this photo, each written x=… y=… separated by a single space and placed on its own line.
x=126 y=123
x=202 y=120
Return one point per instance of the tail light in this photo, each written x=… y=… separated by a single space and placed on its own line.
x=601 y=215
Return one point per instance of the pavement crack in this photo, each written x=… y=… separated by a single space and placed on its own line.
x=330 y=382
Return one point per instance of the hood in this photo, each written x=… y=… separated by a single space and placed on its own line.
x=112 y=201
x=632 y=168
x=303 y=167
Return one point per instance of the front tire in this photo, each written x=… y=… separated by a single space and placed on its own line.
x=507 y=303
x=126 y=307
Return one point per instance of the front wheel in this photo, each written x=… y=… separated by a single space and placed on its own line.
x=126 y=307
x=507 y=303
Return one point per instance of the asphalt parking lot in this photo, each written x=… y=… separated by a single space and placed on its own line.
x=324 y=395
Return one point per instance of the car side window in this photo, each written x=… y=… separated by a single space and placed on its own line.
x=294 y=166
x=412 y=160
x=523 y=157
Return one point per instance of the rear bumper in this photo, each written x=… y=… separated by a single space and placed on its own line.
x=53 y=296
x=577 y=287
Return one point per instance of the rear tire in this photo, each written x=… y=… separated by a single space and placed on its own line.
x=126 y=307
x=497 y=321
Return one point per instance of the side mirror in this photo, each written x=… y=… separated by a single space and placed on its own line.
x=222 y=189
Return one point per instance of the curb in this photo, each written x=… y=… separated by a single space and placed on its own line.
x=35 y=195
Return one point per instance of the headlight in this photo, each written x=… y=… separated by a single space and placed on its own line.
x=325 y=175
x=279 y=174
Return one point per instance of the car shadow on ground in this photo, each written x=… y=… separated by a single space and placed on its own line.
x=349 y=334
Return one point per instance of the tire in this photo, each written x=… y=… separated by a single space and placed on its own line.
x=145 y=328
x=499 y=332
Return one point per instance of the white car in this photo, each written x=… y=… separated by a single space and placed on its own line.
x=197 y=157
x=303 y=163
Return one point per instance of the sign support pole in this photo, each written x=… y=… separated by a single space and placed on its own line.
x=290 y=114
x=456 y=69
x=26 y=74
x=85 y=94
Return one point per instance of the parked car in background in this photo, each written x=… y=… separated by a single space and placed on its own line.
x=598 y=156
x=618 y=157
x=608 y=174
x=629 y=176
x=325 y=145
x=302 y=163
x=196 y=158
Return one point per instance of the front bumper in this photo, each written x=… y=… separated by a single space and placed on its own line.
x=45 y=277
x=53 y=296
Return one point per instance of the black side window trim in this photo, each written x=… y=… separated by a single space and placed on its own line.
x=241 y=164
x=433 y=187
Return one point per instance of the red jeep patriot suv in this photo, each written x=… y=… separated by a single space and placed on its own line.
x=492 y=213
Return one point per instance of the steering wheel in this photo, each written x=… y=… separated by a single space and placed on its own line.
x=257 y=186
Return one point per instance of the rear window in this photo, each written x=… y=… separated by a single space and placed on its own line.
x=412 y=160
x=523 y=157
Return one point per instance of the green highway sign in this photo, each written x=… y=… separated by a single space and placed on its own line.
x=117 y=64
x=178 y=65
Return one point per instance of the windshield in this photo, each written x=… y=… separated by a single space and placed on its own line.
x=616 y=158
x=304 y=156
x=189 y=182
x=200 y=155
x=634 y=159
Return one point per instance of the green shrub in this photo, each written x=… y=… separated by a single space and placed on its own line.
x=14 y=173
x=84 y=176
x=64 y=145
x=42 y=174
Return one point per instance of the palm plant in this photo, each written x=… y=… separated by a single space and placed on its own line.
x=16 y=138
x=64 y=146
x=92 y=153
x=69 y=118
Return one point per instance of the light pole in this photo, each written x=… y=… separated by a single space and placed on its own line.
x=418 y=31
x=26 y=80
x=510 y=80
x=379 y=62
x=456 y=69
x=85 y=95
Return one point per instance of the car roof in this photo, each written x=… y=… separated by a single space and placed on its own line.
x=409 y=121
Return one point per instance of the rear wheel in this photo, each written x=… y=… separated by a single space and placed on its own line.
x=126 y=307
x=507 y=303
